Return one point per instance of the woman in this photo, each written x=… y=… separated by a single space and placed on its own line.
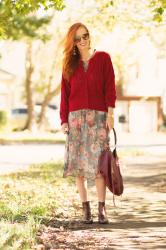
x=87 y=100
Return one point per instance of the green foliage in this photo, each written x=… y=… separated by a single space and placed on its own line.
x=133 y=14
x=24 y=7
x=164 y=120
x=14 y=16
x=21 y=27
x=159 y=7
x=3 y=118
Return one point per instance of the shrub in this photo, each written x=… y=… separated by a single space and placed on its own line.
x=3 y=118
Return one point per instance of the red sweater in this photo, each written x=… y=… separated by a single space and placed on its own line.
x=91 y=89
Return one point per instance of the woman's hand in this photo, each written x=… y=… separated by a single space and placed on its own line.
x=65 y=128
x=110 y=122
x=110 y=118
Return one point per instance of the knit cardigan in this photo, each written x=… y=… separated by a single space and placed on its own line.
x=91 y=89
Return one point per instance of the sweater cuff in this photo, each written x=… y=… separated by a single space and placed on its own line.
x=64 y=121
x=111 y=104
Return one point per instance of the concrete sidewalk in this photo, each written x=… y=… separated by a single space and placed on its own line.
x=141 y=139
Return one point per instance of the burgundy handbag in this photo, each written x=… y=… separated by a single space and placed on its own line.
x=110 y=169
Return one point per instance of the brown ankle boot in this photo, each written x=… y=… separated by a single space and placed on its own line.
x=102 y=217
x=87 y=217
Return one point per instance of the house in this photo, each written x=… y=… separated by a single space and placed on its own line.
x=138 y=114
x=7 y=80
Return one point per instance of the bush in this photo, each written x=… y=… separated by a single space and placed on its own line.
x=164 y=120
x=3 y=118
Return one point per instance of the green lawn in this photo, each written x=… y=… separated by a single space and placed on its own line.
x=30 y=199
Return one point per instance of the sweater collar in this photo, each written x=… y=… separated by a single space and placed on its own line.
x=94 y=53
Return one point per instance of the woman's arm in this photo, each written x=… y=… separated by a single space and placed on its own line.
x=64 y=103
x=110 y=90
x=109 y=81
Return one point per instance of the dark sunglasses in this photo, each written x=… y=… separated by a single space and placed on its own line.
x=85 y=36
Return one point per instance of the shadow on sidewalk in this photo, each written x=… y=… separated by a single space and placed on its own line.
x=78 y=225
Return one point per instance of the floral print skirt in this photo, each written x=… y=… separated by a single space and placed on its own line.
x=87 y=138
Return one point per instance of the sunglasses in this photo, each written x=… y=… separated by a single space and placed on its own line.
x=85 y=36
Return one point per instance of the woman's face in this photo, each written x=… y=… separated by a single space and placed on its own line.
x=82 y=40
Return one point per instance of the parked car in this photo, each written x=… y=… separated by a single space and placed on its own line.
x=18 y=118
x=19 y=115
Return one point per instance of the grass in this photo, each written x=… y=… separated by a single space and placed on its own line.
x=29 y=199
x=18 y=235
x=128 y=152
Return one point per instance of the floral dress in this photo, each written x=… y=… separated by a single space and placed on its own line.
x=87 y=138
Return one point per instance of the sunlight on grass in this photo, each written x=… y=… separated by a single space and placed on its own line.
x=27 y=199
x=18 y=235
x=130 y=152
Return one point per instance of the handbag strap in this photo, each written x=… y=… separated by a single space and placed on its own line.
x=115 y=140
x=115 y=137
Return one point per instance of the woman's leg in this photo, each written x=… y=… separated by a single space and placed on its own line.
x=81 y=184
x=100 y=187
x=101 y=193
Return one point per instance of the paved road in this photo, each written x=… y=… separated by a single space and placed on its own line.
x=14 y=157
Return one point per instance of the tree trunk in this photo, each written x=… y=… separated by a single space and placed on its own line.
x=47 y=99
x=29 y=88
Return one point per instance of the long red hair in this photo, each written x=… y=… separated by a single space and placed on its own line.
x=70 y=60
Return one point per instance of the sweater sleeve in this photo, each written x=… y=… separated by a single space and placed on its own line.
x=64 y=102
x=109 y=82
